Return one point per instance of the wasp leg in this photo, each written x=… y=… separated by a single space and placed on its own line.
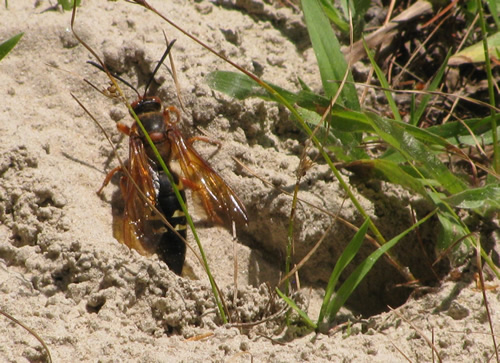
x=108 y=178
x=191 y=140
x=124 y=129
x=174 y=110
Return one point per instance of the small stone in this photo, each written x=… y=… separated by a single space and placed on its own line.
x=457 y=311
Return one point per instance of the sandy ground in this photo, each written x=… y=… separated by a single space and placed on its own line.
x=62 y=272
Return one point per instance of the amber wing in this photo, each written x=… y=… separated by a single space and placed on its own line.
x=137 y=210
x=218 y=199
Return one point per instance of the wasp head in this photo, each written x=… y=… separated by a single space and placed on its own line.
x=146 y=105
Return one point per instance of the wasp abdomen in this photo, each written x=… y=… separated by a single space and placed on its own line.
x=171 y=249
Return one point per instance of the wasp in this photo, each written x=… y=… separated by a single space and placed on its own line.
x=143 y=230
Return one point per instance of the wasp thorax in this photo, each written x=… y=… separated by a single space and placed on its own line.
x=154 y=123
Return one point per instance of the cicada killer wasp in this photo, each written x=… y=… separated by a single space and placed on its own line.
x=142 y=229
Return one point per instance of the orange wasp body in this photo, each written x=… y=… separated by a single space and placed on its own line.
x=142 y=228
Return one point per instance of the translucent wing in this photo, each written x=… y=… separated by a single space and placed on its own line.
x=218 y=199
x=137 y=210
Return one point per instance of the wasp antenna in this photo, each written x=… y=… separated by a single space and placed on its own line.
x=101 y=64
x=174 y=76
x=98 y=66
x=169 y=47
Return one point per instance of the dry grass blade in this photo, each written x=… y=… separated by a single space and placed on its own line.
x=401 y=352
x=485 y=299
x=235 y=265
x=450 y=248
x=429 y=342
x=174 y=76
x=255 y=323
x=304 y=165
x=309 y=254
x=372 y=240
x=274 y=341
x=445 y=95
x=417 y=51
x=146 y=5
x=420 y=8
x=433 y=358
x=422 y=245
x=197 y=338
x=31 y=331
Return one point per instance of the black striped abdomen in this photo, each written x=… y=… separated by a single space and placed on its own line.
x=171 y=249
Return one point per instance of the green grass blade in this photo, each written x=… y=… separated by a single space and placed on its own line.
x=345 y=258
x=354 y=121
x=303 y=85
x=484 y=138
x=68 y=4
x=345 y=145
x=359 y=274
x=7 y=46
x=485 y=198
x=301 y=313
x=424 y=102
x=451 y=231
x=475 y=53
x=412 y=142
x=331 y=62
x=416 y=151
x=356 y=9
x=235 y=85
x=491 y=82
x=383 y=83
x=240 y=86
x=493 y=6
x=346 y=123
x=390 y=171
x=456 y=128
x=333 y=14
